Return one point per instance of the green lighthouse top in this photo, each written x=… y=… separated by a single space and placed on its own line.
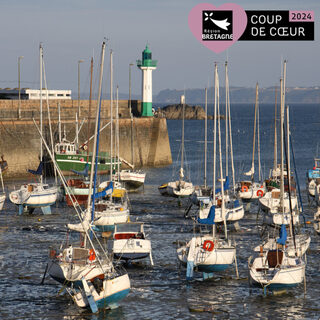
x=147 y=59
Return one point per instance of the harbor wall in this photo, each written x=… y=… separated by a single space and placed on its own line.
x=9 y=109
x=20 y=141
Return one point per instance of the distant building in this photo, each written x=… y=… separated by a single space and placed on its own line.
x=33 y=94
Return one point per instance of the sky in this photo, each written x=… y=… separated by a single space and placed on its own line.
x=73 y=30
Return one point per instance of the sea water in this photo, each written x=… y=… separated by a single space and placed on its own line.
x=161 y=292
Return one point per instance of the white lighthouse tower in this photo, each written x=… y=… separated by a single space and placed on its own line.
x=147 y=65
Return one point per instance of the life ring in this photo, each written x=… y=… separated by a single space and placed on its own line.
x=208 y=245
x=260 y=193
x=92 y=255
x=244 y=189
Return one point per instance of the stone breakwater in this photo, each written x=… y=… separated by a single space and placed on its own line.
x=20 y=141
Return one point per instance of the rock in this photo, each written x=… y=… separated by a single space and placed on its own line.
x=174 y=112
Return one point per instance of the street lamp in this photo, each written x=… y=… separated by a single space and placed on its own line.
x=79 y=61
x=19 y=103
x=130 y=65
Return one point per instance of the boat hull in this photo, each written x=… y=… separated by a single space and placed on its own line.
x=2 y=200
x=39 y=197
x=114 y=290
x=77 y=162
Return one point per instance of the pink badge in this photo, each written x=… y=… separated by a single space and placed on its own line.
x=210 y=38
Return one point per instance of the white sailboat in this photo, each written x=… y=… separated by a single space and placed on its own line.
x=313 y=178
x=202 y=193
x=279 y=206
x=179 y=188
x=95 y=282
x=233 y=206
x=279 y=263
x=210 y=253
x=36 y=194
x=249 y=189
x=275 y=268
x=131 y=178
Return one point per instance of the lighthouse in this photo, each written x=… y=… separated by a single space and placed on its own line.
x=146 y=65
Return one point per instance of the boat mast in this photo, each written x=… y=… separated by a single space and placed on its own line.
x=111 y=107
x=275 y=160
x=205 y=138
x=2 y=184
x=59 y=122
x=95 y=150
x=117 y=129
x=89 y=111
x=182 y=101
x=258 y=134
x=254 y=133
x=289 y=171
x=230 y=138
x=220 y=163
x=77 y=130
x=41 y=151
x=226 y=120
x=214 y=134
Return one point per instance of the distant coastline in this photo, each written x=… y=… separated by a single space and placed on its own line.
x=240 y=95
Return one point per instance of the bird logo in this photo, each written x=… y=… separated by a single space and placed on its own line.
x=223 y=24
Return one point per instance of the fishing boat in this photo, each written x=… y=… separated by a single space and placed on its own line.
x=130 y=242
x=249 y=190
x=69 y=157
x=210 y=253
x=36 y=194
x=179 y=188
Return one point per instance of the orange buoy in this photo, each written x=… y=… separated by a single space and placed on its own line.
x=208 y=245
x=260 y=193
x=92 y=255
x=244 y=189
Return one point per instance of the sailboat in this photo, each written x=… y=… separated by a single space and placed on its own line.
x=313 y=178
x=251 y=190
x=36 y=194
x=179 y=188
x=275 y=268
x=111 y=205
x=234 y=209
x=280 y=206
x=96 y=283
x=279 y=263
x=210 y=253
x=131 y=178
x=202 y=193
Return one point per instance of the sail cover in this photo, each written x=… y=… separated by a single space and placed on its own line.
x=210 y=218
x=38 y=171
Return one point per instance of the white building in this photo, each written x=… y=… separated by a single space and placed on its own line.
x=33 y=94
